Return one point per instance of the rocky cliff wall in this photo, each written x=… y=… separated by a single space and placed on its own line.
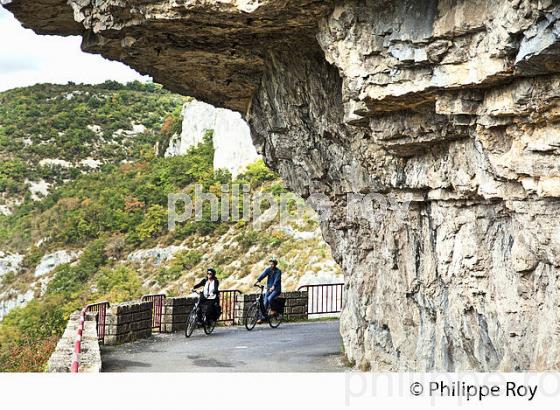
x=430 y=127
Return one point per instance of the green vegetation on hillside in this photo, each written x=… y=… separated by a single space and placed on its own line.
x=74 y=123
x=117 y=209
x=28 y=335
x=113 y=211
x=128 y=200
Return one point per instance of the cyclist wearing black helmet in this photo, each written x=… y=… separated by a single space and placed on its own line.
x=273 y=282
x=210 y=294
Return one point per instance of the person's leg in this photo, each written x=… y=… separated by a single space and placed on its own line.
x=210 y=312
x=204 y=310
x=215 y=310
x=271 y=296
x=265 y=300
x=262 y=308
x=200 y=311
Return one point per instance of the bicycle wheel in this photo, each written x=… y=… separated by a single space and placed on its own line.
x=275 y=320
x=209 y=328
x=191 y=324
x=252 y=316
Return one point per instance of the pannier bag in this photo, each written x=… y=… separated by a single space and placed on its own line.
x=278 y=304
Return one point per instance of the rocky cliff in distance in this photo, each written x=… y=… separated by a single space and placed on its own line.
x=453 y=104
x=231 y=136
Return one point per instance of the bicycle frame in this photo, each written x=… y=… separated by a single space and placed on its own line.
x=196 y=307
x=198 y=317
x=260 y=302
x=254 y=313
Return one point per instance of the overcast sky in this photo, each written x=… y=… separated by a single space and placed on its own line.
x=27 y=59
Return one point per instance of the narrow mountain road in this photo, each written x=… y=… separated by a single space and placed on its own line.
x=293 y=347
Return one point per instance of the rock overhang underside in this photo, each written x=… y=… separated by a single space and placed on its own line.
x=448 y=109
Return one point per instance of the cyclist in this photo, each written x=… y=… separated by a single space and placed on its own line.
x=273 y=282
x=210 y=295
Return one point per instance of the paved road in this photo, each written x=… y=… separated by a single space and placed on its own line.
x=293 y=347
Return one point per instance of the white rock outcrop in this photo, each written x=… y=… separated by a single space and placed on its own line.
x=90 y=163
x=9 y=262
x=39 y=189
x=233 y=145
x=52 y=260
x=14 y=301
x=156 y=255
x=5 y=210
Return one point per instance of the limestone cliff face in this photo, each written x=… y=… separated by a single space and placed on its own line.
x=449 y=109
x=231 y=136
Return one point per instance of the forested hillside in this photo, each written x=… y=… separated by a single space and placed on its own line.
x=100 y=233
x=51 y=133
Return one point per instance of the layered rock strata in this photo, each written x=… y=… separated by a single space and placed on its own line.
x=429 y=129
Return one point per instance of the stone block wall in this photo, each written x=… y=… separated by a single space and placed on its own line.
x=295 y=309
x=296 y=305
x=243 y=303
x=174 y=313
x=90 y=356
x=128 y=321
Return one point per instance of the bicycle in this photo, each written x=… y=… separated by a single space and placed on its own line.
x=193 y=319
x=257 y=310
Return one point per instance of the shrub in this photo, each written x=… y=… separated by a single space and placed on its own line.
x=32 y=257
x=182 y=262
x=66 y=280
x=119 y=284
x=277 y=189
x=27 y=356
x=256 y=174
x=154 y=223
x=70 y=279
x=186 y=260
x=248 y=239
x=8 y=279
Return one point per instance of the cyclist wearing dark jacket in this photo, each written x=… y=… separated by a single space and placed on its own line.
x=210 y=294
x=273 y=282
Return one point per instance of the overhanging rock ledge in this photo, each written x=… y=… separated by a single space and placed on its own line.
x=452 y=105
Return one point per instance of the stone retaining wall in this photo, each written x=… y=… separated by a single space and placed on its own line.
x=128 y=321
x=90 y=356
x=296 y=305
x=174 y=313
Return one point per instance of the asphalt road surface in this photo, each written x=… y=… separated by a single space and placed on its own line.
x=293 y=347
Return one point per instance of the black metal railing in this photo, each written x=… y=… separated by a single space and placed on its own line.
x=101 y=310
x=157 y=309
x=228 y=302
x=324 y=298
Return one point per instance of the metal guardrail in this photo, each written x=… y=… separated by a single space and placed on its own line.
x=228 y=301
x=324 y=298
x=74 y=367
x=157 y=309
x=101 y=310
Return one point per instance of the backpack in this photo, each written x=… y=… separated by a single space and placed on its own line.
x=277 y=304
